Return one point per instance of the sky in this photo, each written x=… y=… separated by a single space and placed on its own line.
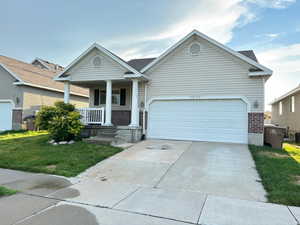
x=59 y=31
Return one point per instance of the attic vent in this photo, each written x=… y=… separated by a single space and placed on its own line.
x=195 y=49
x=97 y=61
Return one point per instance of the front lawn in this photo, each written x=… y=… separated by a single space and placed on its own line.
x=5 y=191
x=280 y=174
x=29 y=151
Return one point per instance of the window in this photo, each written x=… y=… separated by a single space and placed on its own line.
x=102 y=97
x=292 y=104
x=280 y=108
x=118 y=97
x=115 y=98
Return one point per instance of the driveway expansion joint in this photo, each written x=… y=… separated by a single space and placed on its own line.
x=163 y=176
x=206 y=197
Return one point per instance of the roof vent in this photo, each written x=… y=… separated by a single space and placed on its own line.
x=195 y=49
x=97 y=61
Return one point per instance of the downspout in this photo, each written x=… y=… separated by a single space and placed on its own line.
x=144 y=110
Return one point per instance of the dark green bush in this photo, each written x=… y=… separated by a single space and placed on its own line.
x=61 y=120
x=66 y=127
x=44 y=116
x=47 y=113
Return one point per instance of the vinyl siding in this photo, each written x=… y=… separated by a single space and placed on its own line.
x=86 y=71
x=8 y=90
x=212 y=72
x=287 y=119
x=34 y=98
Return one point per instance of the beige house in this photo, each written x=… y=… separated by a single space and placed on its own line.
x=198 y=89
x=25 y=87
x=286 y=111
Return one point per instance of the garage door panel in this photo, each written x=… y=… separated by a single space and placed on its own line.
x=5 y=116
x=203 y=120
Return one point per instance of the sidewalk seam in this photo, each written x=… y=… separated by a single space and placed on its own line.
x=298 y=222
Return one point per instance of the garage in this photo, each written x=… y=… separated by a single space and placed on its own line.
x=199 y=120
x=5 y=116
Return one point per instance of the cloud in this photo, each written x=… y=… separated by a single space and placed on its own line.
x=285 y=62
x=215 y=18
x=277 y=4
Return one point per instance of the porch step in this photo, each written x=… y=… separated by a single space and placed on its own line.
x=102 y=140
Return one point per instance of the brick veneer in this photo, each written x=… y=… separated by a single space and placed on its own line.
x=256 y=123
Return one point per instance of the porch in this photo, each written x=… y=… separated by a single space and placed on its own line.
x=116 y=106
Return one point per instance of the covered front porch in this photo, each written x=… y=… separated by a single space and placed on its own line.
x=113 y=104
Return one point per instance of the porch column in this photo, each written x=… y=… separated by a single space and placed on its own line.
x=108 y=104
x=66 y=92
x=135 y=107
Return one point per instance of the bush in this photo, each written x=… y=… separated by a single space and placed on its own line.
x=66 y=127
x=44 y=116
x=47 y=113
x=61 y=120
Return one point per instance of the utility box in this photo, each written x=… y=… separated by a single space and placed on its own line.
x=274 y=135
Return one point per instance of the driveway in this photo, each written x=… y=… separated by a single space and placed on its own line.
x=161 y=182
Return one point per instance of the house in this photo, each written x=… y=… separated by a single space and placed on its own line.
x=198 y=89
x=285 y=111
x=25 y=87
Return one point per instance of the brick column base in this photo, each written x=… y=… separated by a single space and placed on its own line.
x=256 y=123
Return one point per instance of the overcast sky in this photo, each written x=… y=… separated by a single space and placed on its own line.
x=61 y=30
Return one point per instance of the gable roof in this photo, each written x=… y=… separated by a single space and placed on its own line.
x=49 y=65
x=139 y=64
x=62 y=75
x=293 y=91
x=30 y=75
x=262 y=70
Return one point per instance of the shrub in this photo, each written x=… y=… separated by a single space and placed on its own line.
x=47 y=113
x=64 y=107
x=44 y=116
x=66 y=127
x=61 y=120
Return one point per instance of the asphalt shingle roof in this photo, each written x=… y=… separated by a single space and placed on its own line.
x=34 y=75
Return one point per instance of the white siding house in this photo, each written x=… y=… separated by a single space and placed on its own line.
x=197 y=90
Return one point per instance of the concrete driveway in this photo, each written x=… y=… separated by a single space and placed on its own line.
x=162 y=182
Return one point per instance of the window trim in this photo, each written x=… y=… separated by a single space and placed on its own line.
x=113 y=89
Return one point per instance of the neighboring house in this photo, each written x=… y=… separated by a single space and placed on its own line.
x=198 y=90
x=286 y=109
x=24 y=88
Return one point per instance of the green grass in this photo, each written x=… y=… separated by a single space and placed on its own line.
x=280 y=174
x=29 y=151
x=5 y=191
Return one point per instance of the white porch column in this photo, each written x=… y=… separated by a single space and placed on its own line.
x=135 y=107
x=66 y=92
x=108 y=104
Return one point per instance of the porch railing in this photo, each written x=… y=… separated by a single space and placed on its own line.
x=92 y=115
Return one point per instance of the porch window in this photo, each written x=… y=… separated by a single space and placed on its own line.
x=102 y=97
x=118 y=97
x=115 y=97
